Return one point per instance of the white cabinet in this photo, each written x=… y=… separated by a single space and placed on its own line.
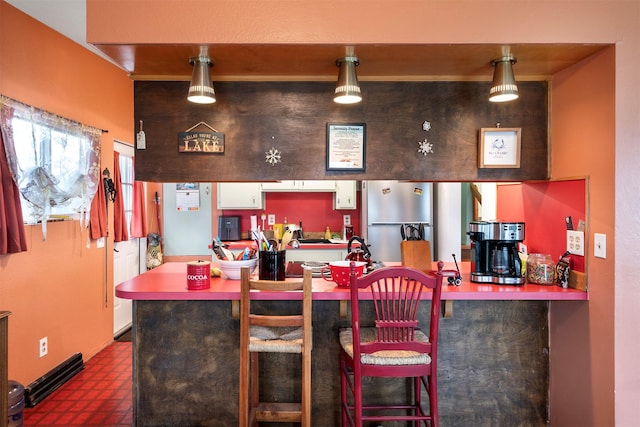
x=317 y=185
x=345 y=197
x=250 y=195
x=240 y=195
x=279 y=186
x=299 y=185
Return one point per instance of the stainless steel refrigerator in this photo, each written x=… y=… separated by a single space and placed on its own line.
x=386 y=206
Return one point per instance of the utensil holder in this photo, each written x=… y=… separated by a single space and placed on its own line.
x=272 y=265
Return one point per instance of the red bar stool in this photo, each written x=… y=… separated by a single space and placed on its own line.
x=264 y=333
x=394 y=347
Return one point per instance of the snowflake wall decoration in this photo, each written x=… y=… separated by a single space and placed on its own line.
x=425 y=147
x=273 y=156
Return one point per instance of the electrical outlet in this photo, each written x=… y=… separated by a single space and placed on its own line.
x=271 y=219
x=575 y=242
x=100 y=242
x=44 y=346
x=346 y=219
x=599 y=245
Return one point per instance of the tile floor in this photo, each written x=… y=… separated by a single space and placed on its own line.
x=99 y=395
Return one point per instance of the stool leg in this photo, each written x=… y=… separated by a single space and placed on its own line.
x=343 y=392
x=306 y=388
x=243 y=392
x=255 y=381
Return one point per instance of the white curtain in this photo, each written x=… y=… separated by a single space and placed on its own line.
x=54 y=161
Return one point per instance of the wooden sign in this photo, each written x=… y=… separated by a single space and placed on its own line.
x=201 y=142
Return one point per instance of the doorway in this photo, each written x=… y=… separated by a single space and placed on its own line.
x=126 y=255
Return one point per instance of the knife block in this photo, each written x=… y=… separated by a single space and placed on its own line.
x=416 y=254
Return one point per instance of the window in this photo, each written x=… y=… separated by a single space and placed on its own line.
x=126 y=179
x=55 y=162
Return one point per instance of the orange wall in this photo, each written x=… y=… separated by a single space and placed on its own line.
x=582 y=342
x=57 y=288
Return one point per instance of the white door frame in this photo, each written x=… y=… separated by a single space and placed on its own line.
x=126 y=264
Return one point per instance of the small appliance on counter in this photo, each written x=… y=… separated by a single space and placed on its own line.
x=229 y=228
x=494 y=252
x=359 y=253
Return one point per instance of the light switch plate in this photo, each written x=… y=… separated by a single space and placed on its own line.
x=575 y=242
x=100 y=242
x=600 y=245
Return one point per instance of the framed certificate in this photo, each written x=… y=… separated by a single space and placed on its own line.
x=346 y=145
x=499 y=148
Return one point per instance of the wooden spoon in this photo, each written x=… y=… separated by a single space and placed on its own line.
x=286 y=238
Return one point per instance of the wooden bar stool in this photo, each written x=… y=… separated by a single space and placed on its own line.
x=264 y=333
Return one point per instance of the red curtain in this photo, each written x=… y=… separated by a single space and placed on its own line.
x=12 y=236
x=139 y=211
x=120 y=233
x=98 y=217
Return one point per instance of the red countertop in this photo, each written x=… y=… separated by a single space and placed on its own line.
x=169 y=282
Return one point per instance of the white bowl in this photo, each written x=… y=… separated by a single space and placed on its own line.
x=232 y=269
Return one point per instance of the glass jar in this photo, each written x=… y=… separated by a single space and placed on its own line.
x=540 y=269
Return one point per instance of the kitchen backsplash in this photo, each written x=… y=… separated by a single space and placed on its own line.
x=315 y=210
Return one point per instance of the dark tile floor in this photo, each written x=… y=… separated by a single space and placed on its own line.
x=99 y=395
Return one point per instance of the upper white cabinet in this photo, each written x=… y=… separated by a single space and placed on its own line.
x=299 y=185
x=251 y=195
x=240 y=195
x=345 y=197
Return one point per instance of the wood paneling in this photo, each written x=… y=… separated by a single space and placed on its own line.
x=316 y=62
x=493 y=367
x=291 y=117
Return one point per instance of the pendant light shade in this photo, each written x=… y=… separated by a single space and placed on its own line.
x=504 y=86
x=347 y=88
x=201 y=89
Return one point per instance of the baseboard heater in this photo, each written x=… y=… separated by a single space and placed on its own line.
x=35 y=392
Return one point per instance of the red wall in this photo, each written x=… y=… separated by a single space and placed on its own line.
x=543 y=206
x=315 y=210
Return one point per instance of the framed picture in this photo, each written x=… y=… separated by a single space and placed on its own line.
x=499 y=148
x=346 y=146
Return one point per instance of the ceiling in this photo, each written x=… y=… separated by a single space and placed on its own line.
x=311 y=62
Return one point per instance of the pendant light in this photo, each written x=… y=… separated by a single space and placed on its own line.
x=201 y=88
x=503 y=87
x=347 y=89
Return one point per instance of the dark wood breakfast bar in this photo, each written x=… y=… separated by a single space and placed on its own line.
x=493 y=355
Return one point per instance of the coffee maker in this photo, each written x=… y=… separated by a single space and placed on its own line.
x=494 y=252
